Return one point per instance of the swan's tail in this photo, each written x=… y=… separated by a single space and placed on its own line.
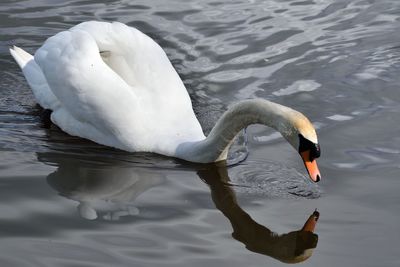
x=35 y=77
x=21 y=56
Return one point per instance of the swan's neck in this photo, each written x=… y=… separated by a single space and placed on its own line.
x=215 y=147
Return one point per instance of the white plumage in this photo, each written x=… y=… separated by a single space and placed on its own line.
x=114 y=85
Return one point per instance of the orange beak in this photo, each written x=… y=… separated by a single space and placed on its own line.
x=311 y=166
x=311 y=222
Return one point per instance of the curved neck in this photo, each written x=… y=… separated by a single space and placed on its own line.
x=257 y=111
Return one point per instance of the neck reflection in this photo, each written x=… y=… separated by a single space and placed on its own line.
x=292 y=247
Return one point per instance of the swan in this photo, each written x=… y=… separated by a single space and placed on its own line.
x=114 y=85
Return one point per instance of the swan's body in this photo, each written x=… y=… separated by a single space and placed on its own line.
x=127 y=98
x=114 y=85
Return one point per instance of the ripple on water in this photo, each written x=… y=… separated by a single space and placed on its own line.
x=126 y=240
x=298 y=86
x=338 y=117
x=52 y=253
x=270 y=179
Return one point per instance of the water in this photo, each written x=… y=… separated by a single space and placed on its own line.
x=65 y=201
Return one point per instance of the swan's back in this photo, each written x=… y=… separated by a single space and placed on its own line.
x=117 y=87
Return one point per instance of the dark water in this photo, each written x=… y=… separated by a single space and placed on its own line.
x=67 y=202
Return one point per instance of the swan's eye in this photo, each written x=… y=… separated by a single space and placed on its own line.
x=307 y=145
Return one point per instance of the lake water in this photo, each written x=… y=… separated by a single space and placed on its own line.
x=65 y=201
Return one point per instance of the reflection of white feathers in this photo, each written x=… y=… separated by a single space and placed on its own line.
x=86 y=211
x=109 y=189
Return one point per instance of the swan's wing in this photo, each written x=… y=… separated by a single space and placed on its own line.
x=145 y=67
x=137 y=58
x=121 y=82
x=86 y=87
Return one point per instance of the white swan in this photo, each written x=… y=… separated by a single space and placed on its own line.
x=114 y=85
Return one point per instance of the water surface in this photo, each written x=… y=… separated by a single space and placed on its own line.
x=65 y=201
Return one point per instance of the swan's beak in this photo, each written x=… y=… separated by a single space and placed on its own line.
x=311 y=166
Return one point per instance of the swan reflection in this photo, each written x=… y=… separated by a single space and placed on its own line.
x=113 y=186
x=109 y=186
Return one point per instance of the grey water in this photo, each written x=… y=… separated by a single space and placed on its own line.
x=65 y=201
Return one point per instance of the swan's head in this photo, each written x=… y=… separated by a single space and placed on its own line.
x=303 y=138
